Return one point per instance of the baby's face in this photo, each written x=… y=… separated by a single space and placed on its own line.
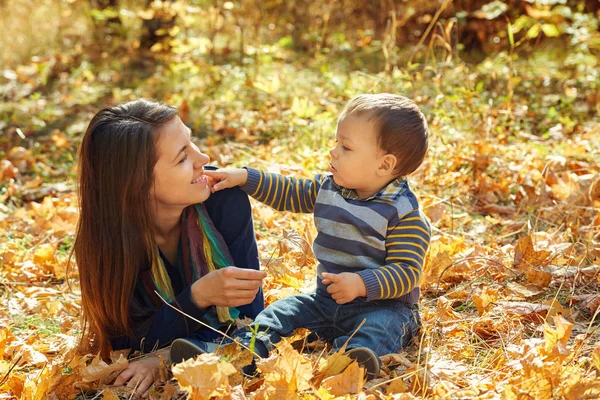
x=356 y=157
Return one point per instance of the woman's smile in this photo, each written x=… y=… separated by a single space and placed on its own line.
x=203 y=179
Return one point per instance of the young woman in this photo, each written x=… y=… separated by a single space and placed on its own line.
x=149 y=230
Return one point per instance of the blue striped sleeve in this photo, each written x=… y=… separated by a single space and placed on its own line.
x=281 y=192
x=406 y=245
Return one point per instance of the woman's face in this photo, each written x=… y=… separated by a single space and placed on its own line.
x=179 y=179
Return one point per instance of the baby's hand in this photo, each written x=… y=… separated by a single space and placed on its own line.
x=344 y=287
x=226 y=178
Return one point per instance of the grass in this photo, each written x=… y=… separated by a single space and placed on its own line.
x=26 y=323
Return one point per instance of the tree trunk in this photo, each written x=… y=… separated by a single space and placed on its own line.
x=153 y=30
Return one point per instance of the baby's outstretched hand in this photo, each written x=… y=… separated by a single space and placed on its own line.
x=344 y=287
x=226 y=178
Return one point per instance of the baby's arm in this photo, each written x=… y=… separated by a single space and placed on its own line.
x=406 y=244
x=277 y=191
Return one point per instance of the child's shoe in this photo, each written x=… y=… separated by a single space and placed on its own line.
x=261 y=351
x=182 y=349
x=367 y=359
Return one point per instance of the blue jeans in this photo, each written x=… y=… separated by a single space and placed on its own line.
x=389 y=325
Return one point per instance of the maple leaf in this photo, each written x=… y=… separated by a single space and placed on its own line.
x=521 y=290
x=26 y=354
x=15 y=382
x=350 y=381
x=335 y=363
x=435 y=265
x=6 y=336
x=396 y=386
x=529 y=311
x=446 y=369
x=538 y=277
x=555 y=339
x=279 y=388
x=235 y=355
x=99 y=370
x=444 y=310
x=287 y=365
x=205 y=376
x=527 y=253
x=483 y=298
x=108 y=394
x=596 y=358
x=576 y=387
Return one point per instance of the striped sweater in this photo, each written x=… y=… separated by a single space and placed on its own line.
x=383 y=238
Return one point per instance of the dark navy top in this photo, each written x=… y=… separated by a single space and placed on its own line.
x=231 y=214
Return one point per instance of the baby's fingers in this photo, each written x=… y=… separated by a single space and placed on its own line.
x=224 y=184
x=216 y=175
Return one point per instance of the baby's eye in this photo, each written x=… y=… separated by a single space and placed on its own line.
x=345 y=148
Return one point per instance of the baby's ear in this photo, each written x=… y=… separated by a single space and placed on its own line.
x=388 y=164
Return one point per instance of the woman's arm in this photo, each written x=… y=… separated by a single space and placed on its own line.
x=231 y=214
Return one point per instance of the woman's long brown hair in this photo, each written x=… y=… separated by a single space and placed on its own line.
x=115 y=232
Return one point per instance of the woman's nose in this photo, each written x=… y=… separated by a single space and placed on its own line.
x=201 y=160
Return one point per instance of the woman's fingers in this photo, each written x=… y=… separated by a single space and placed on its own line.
x=135 y=381
x=230 y=287
x=124 y=376
x=243 y=284
x=144 y=385
x=241 y=297
x=243 y=273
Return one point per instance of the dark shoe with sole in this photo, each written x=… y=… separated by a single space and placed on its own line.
x=260 y=351
x=367 y=359
x=182 y=349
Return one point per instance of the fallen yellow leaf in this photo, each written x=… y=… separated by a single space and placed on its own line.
x=351 y=381
x=205 y=376
x=528 y=255
x=109 y=395
x=334 y=364
x=99 y=369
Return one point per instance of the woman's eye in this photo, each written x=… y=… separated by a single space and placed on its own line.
x=183 y=159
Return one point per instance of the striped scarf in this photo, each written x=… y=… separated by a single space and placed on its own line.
x=203 y=250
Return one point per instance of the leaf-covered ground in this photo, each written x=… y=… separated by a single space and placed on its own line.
x=511 y=184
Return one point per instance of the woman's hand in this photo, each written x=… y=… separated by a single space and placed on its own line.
x=227 y=287
x=226 y=178
x=140 y=375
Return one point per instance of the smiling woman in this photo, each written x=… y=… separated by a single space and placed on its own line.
x=150 y=230
x=179 y=177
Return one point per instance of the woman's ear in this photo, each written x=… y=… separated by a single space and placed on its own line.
x=388 y=165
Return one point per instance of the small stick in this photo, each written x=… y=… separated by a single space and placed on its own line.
x=206 y=325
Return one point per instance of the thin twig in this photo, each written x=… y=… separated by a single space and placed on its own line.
x=5 y=378
x=206 y=325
